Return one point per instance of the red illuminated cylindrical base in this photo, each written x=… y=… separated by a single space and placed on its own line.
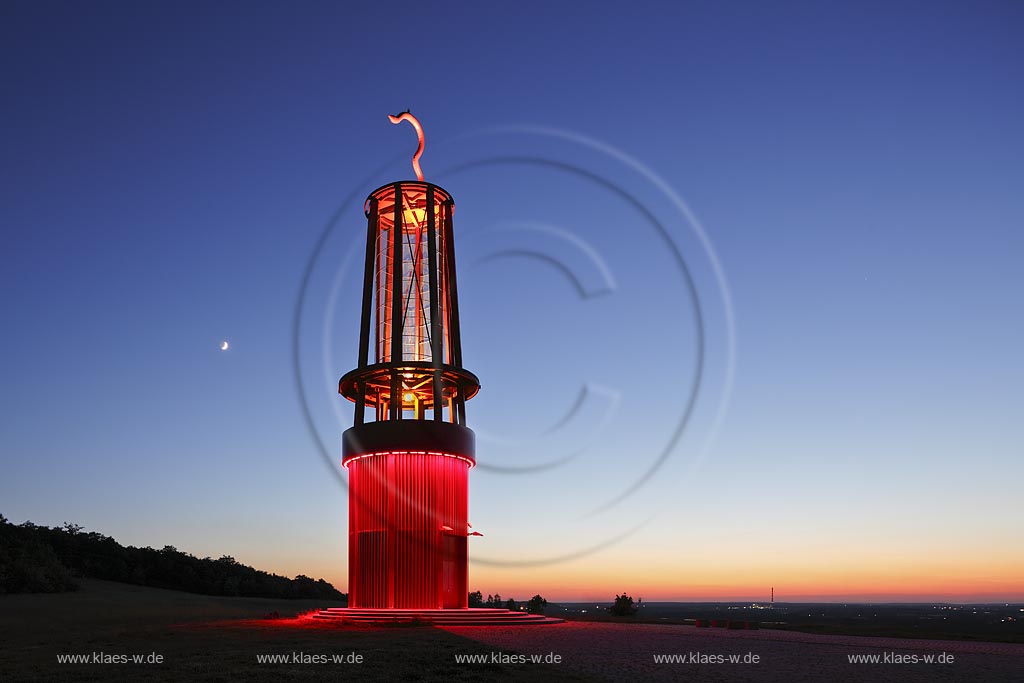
x=407 y=530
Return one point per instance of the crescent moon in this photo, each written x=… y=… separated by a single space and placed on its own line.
x=224 y=346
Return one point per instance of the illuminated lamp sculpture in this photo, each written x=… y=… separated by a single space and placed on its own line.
x=409 y=466
x=409 y=451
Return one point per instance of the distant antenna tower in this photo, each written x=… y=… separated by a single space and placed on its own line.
x=773 y=596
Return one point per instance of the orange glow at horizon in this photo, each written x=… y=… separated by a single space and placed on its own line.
x=962 y=579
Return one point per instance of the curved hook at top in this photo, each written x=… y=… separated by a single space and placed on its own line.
x=406 y=116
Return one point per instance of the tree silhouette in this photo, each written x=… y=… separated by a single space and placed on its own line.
x=536 y=605
x=36 y=559
x=623 y=606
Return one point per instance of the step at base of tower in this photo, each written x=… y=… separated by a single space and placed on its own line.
x=473 y=616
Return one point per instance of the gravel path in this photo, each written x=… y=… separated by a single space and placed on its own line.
x=626 y=651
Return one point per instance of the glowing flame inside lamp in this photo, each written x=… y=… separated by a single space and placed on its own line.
x=406 y=116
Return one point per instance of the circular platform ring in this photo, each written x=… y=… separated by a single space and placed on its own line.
x=408 y=436
x=472 y=616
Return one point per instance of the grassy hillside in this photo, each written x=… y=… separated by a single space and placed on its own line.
x=211 y=638
x=39 y=559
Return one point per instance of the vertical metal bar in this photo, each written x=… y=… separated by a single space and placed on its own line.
x=368 y=268
x=453 y=293
x=360 y=402
x=389 y=263
x=365 y=320
x=380 y=271
x=396 y=307
x=435 y=317
x=461 y=405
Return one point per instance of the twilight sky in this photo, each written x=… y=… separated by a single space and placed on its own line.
x=168 y=170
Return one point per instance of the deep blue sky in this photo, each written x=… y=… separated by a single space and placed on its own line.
x=167 y=169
